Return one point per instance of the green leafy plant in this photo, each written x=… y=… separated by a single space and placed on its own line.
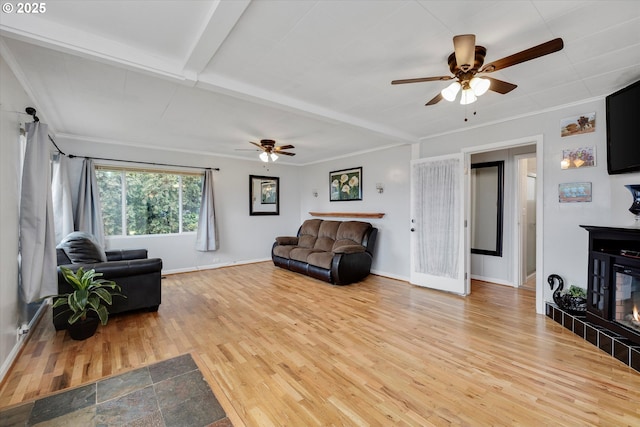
x=90 y=292
x=576 y=291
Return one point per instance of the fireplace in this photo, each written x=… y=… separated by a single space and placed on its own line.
x=627 y=297
x=613 y=290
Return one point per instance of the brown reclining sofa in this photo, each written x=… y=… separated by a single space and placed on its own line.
x=338 y=252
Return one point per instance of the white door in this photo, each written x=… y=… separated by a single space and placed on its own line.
x=438 y=256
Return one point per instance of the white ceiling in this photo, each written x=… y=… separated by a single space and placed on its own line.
x=209 y=76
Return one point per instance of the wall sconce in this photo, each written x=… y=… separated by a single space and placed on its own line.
x=379 y=187
x=314 y=192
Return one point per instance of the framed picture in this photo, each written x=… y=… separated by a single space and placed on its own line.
x=268 y=192
x=578 y=158
x=577 y=125
x=574 y=192
x=264 y=195
x=345 y=184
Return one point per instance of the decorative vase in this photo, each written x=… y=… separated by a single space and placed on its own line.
x=635 y=192
x=83 y=329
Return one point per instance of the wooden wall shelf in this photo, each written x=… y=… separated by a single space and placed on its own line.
x=349 y=214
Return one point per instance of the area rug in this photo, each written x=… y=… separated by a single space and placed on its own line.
x=169 y=393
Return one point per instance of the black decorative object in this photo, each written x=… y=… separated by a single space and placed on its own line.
x=571 y=304
x=32 y=112
x=83 y=329
x=635 y=192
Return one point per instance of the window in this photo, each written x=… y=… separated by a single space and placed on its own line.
x=139 y=202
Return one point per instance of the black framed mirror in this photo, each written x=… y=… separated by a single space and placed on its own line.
x=487 y=206
x=264 y=195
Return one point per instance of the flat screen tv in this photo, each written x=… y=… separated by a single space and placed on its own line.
x=623 y=130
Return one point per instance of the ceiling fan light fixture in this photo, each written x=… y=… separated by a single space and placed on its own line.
x=273 y=156
x=449 y=93
x=467 y=97
x=479 y=85
x=264 y=156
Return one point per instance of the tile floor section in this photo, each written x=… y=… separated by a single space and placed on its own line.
x=166 y=394
x=610 y=342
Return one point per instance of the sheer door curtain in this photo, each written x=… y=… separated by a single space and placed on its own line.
x=437 y=212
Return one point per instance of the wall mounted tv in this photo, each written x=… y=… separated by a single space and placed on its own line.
x=623 y=130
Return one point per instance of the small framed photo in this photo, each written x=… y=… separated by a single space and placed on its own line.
x=268 y=192
x=578 y=158
x=584 y=123
x=345 y=185
x=574 y=192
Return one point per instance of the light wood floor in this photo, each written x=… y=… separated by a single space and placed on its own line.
x=289 y=350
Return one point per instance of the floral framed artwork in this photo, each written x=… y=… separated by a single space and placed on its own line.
x=578 y=158
x=345 y=185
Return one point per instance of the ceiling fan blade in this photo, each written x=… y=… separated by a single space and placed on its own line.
x=257 y=145
x=284 y=147
x=500 y=86
x=286 y=153
x=435 y=100
x=421 y=79
x=526 y=55
x=464 y=47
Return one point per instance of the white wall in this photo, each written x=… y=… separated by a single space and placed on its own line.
x=243 y=238
x=12 y=98
x=389 y=167
x=565 y=243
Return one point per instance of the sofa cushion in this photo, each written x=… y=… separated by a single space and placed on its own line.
x=283 y=251
x=82 y=248
x=326 y=235
x=351 y=232
x=320 y=259
x=309 y=233
x=301 y=254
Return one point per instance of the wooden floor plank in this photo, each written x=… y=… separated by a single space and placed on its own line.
x=283 y=349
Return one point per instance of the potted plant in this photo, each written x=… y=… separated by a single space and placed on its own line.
x=575 y=300
x=85 y=303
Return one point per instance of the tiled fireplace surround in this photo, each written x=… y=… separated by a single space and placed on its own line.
x=610 y=342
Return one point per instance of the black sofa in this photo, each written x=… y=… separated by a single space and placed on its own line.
x=138 y=276
x=338 y=252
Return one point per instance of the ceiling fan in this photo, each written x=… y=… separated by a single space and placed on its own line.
x=271 y=151
x=466 y=63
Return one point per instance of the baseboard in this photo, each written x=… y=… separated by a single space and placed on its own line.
x=213 y=266
x=492 y=280
x=19 y=345
x=390 y=275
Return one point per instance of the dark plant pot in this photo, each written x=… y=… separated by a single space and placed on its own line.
x=574 y=305
x=83 y=329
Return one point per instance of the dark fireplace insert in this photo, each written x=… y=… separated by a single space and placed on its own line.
x=613 y=289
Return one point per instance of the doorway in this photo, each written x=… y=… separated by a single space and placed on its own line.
x=526 y=183
x=506 y=270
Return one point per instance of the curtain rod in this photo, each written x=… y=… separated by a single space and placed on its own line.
x=32 y=112
x=71 y=156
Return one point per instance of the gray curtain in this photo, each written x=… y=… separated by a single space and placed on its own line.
x=37 y=235
x=88 y=216
x=62 y=205
x=207 y=235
